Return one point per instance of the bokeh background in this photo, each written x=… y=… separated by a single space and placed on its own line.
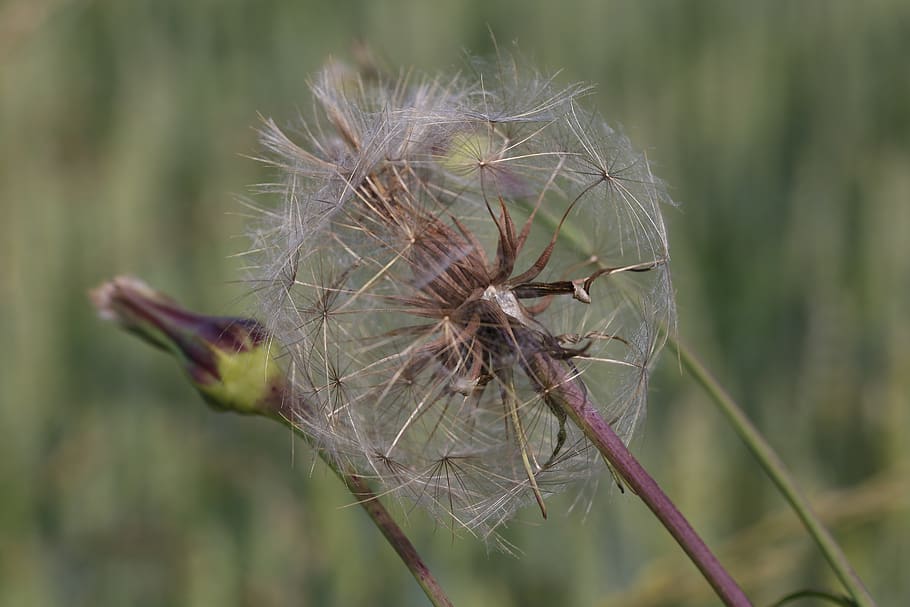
x=784 y=131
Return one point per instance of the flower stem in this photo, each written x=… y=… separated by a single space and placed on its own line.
x=396 y=538
x=383 y=520
x=572 y=397
x=775 y=468
x=766 y=456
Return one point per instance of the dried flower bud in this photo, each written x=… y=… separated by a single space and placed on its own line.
x=439 y=241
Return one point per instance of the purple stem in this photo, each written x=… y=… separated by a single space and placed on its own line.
x=285 y=410
x=572 y=397
x=396 y=537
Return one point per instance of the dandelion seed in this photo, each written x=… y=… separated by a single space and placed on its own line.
x=451 y=253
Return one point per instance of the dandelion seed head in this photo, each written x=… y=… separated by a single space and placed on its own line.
x=434 y=235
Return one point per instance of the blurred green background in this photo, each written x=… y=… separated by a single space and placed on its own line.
x=784 y=130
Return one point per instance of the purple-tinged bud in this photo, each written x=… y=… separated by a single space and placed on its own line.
x=228 y=359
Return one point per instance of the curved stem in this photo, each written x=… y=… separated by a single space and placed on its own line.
x=766 y=456
x=572 y=397
x=775 y=469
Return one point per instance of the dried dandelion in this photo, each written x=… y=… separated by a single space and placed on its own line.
x=451 y=257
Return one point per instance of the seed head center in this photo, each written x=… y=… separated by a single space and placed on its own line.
x=506 y=301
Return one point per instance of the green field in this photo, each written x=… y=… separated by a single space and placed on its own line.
x=783 y=129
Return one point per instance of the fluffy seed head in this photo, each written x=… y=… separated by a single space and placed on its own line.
x=434 y=235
